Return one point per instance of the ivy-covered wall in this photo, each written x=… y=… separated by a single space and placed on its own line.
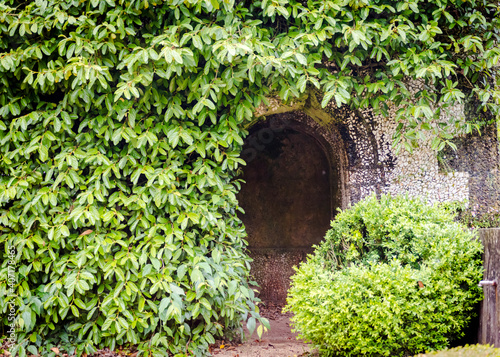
x=121 y=128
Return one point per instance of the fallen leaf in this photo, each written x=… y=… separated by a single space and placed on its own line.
x=55 y=350
x=221 y=346
x=420 y=284
x=86 y=233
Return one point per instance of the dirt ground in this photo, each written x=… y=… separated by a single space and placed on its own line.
x=280 y=341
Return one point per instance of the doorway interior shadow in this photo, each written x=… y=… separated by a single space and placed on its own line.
x=288 y=198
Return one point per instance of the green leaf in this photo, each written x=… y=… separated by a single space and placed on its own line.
x=43 y=152
x=301 y=58
x=251 y=323
x=196 y=276
x=80 y=304
x=64 y=230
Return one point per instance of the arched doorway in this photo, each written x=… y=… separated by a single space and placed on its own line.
x=288 y=200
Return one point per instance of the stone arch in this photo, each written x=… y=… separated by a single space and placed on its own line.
x=357 y=140
x=328 y=138
x=274 y=252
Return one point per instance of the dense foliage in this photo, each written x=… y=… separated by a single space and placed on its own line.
x=466 y=351
x=393 y=277
x=120 y=133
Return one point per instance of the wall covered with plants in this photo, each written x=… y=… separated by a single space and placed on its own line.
x=121 y=126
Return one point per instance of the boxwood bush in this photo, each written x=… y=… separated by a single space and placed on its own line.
x=393 y=277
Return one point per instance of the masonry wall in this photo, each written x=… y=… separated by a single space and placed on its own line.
x=469 y=174
x=361 y=161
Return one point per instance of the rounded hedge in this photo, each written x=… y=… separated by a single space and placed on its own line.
x=393 y=277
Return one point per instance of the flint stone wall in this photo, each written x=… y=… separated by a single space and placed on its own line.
x=361 y=160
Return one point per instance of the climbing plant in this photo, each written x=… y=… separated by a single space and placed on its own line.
x=121 y=124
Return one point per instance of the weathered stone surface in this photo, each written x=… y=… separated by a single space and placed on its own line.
x=272 y=269
x=361 y=143
x=356 y=149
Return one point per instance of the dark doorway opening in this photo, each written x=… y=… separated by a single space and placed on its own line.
x=287 y=200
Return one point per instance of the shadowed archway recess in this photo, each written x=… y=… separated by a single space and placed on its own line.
x=289 y=198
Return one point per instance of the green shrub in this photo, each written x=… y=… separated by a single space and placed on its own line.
x=121 y=126
x=467 y=351
x=393 y=277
